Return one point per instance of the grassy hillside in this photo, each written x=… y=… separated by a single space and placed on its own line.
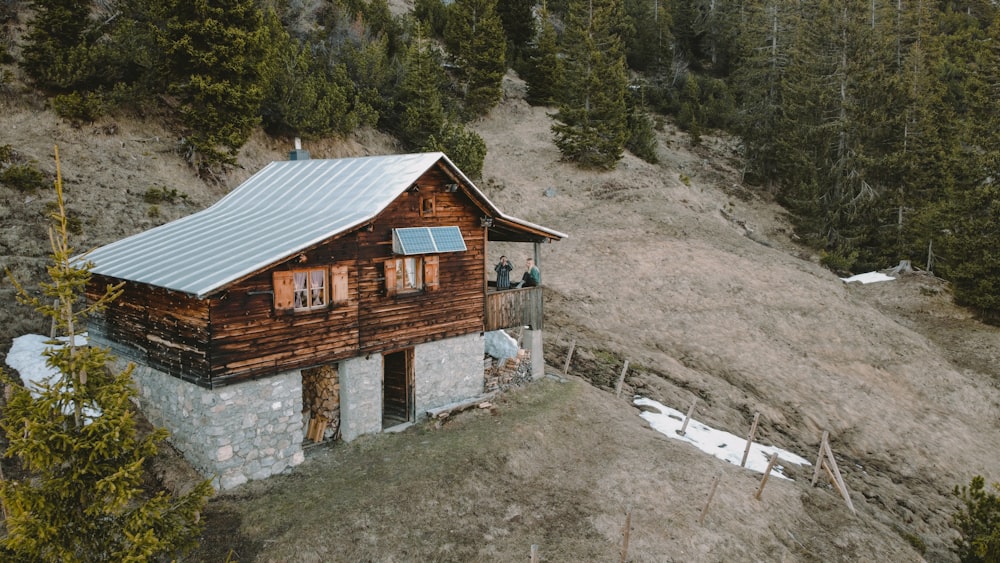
x=677 y=267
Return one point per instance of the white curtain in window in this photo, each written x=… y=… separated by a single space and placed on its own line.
x=301 y=291
x=411 y=273
x=317 y=282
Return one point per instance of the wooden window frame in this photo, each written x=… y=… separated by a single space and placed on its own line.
x=421 y=269
x=333 y=291
x=315 y=290
x=427 y=206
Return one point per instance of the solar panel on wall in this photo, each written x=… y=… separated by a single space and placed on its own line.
x=427 y=240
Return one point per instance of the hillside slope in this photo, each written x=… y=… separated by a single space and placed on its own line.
x=676 y=267
x=701 y=285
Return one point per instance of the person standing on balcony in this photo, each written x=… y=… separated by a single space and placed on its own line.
x=503 y=269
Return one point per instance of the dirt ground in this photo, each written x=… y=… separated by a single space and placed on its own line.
x=676 y=267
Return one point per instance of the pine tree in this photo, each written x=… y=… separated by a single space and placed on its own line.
x=545 y=67
x=591 y=122
x=648 y=48
x=219 y=61
x=82 y=499
x=967 y=225
x=762 y=81
x=464 y=147
x=308 y=98
x=419 y=94
x=474 y=36
x=60 y=51
x=432 y=14
x=518 y=24
x=815 y=113
x=641 y=137
x=978 y=522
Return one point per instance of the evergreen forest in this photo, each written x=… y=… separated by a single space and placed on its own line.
x=874 y=123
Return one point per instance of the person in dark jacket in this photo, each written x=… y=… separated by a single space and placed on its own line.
x=503 y=269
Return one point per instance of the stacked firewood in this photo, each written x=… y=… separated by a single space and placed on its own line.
x=321 y=402
x=510 y=372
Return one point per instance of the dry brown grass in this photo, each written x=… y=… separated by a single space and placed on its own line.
x=556 y=465
x=677 y=267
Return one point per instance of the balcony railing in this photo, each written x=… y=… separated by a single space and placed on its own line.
x=512 y=308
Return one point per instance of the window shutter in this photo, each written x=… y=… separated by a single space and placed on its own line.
x=390 y=276
x=431 y=273
x=338 y=284
x=284 y=290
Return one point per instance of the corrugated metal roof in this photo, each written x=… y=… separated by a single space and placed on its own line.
x=281 y=210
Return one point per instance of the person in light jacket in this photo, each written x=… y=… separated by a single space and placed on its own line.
x=532 y=276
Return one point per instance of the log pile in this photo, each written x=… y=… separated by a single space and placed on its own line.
x=321 y=402
x=501 y=375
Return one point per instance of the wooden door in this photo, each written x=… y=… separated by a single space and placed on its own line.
x=397 y=388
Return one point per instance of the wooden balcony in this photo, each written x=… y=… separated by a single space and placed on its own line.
x=512 y=308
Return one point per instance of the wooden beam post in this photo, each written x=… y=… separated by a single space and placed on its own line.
x=625 y=534
x=826 y=461
x=838 y=479
x=819 y=457
x=767 y=473
x=621 y=380
x=569 y=356
x=711 y=493
x=753 y=430
x=534 y=553
x=688 y=417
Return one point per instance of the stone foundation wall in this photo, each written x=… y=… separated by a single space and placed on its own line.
x=252 y=430
x=241 y=432
x=447 y=371
x=360 y=396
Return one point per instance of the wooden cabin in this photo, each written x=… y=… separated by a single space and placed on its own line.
x=328 y=298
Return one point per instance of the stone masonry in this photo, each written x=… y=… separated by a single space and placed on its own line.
x=447 y=371
x=241 y=432
x=254 y=429
x=360 y=396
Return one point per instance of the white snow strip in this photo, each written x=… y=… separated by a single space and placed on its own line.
x=869 y=277
x=723 y=445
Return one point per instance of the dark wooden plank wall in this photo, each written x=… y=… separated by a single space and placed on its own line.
x=164 y=329
x=250 y=338
x=456 y=308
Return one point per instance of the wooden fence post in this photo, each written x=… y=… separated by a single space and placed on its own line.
x=711 y=493
x=569 y=356
x=837 y=479
x=767 y=473
x=825 y=460
x=753 y=430
x=625 y=533
x=688 y=417
x=621 y=379
x=819 y=458
x=534 y=553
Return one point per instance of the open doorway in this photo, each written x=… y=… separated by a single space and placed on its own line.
x=397 y=388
